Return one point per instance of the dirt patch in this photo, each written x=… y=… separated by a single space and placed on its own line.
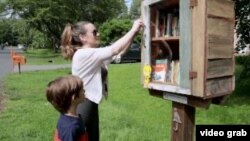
x=1 y=103
x=1 y=97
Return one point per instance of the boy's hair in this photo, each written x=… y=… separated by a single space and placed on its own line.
x=60 y=91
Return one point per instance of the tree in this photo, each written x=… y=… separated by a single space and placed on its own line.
x=135 y=10
x=7 y=34
x=50 y=16
x=242 y=15
x=114 y=29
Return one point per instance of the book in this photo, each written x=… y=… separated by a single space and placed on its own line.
x=175 y=72
x=169 y=25
x=157 y=24
x=160 y=71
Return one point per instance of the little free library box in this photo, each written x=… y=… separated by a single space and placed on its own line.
x=187 y=56
x=187 y=48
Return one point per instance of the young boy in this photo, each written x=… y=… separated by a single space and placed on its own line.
x=65 y=93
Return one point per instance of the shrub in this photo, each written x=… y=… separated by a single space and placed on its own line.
x=245 y=62
x=239 y=60
x=114 y=29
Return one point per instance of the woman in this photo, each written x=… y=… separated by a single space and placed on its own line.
x=80 y=42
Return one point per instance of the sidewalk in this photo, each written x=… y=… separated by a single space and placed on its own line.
x=25 y=68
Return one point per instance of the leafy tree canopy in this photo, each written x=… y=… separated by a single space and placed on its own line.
x=135 y=10
x=114 y=29
x=242 y=15
x=50 y=16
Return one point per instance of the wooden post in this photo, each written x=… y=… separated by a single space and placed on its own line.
x=19 y=67
x=183 y=122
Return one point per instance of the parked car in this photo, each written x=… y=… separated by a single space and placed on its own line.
x=132 y=55
x=2 y=46
x=22 y=46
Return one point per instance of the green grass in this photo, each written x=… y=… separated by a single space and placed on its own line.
x=129 y=114
x=43 y=57
x=236 y=109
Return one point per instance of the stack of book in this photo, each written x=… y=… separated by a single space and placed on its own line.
x=166 y=72
x=166 y=24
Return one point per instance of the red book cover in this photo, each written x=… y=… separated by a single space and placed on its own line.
x=159 y=70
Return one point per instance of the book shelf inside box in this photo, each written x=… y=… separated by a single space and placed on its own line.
x=165 y=50
x=165 y=61
x=199 y=36
x=164 y=31
x=166 y=3
x=164 y=21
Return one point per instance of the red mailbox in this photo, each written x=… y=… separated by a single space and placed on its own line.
x=18 y=60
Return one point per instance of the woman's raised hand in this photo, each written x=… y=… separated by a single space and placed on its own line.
x=137 y=25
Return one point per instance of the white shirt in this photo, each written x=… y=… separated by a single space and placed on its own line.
x=86 y=64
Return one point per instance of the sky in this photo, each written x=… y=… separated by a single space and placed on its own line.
x=128 y=3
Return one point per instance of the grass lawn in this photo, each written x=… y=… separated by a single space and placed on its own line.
x=129 y=114
x=44 y=56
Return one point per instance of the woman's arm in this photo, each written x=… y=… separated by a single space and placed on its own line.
x=125 y=49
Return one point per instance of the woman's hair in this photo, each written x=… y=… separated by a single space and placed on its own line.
x=70 y=40
x=60 y=91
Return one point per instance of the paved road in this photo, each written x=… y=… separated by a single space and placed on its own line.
x=6 y=67
x=40 y=67
x=6 y=64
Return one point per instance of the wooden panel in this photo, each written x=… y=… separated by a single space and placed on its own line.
x=150 y=2
x=220 y=27
x=184 y=99
x=219 y=47
x=220 y=32
x=169 y=39
x=146 y=34
x=220 y=86
x=221 y=8
x=185 y=43
x=198 y=47
x=170 y=3
x=168 y=88
x=220 y=38
x=143 y=39
x=162 y=3
x=219 y=68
